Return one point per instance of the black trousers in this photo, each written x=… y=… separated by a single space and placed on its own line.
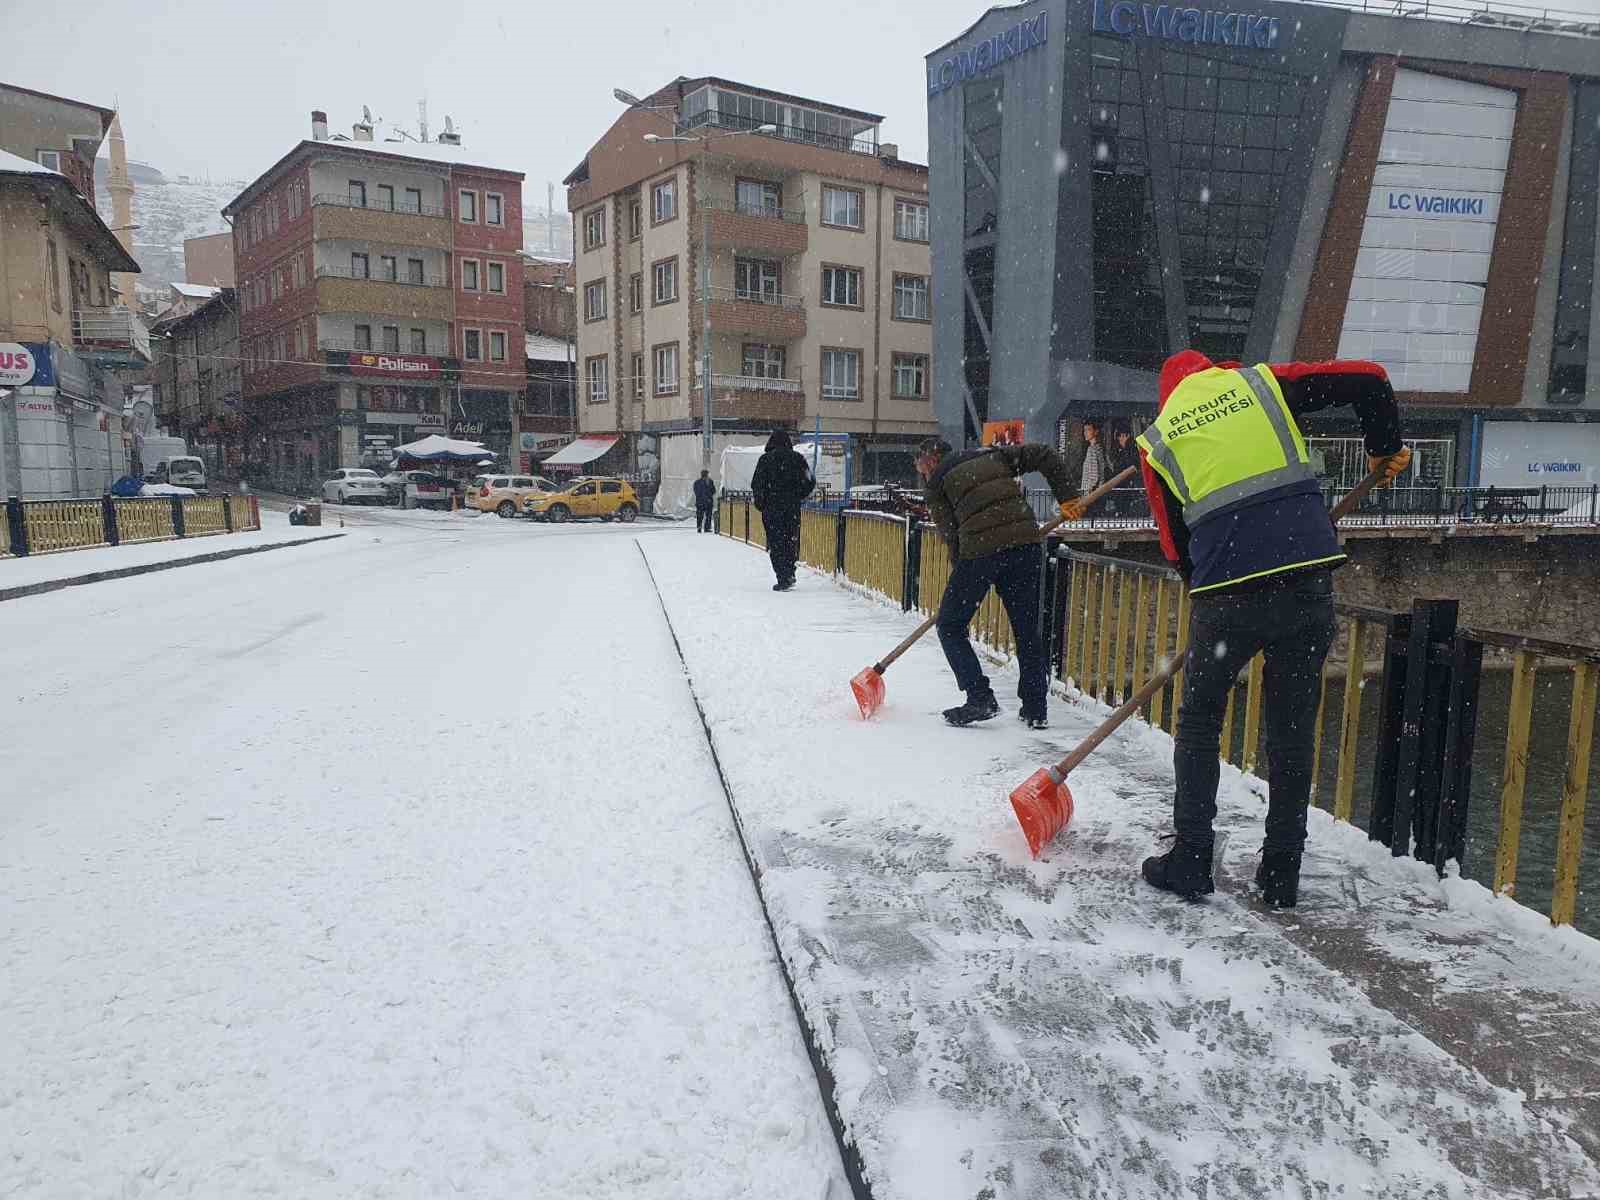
x=1291 y=619
x=1015 y=574
x=783 y=541
x=704 y=519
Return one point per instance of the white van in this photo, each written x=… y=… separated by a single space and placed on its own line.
x=185 y=471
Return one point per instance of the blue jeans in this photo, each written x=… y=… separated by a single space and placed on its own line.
x=1016 y=574
x=1291 y=619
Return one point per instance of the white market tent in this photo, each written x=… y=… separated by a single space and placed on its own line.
x=581 y=450
x=436 y=448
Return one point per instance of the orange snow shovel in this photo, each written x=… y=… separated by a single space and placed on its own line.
x=868 y=683
x=1043 y=801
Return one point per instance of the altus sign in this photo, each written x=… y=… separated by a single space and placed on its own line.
x=1198 y=26
x=1027 y=34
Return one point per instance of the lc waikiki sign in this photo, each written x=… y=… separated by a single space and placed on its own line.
x=1201 y=27
x=1027 y=34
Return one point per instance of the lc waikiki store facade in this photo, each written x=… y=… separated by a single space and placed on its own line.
x=1113 y=181
x=59 y=434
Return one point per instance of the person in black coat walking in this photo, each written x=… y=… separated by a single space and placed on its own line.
x=781 y=483
x=705 y=495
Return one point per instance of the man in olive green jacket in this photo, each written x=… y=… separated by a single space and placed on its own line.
x=975 y=499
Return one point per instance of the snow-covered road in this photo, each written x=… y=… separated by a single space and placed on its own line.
x=390 y=866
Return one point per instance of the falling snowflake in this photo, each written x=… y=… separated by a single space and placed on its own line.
x=1101 y=151
x=1061 y=161
x=1205 y=195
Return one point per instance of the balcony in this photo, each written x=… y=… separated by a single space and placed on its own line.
x=769 y=316
x=337 y=216
x=112 y=337
x=755 y=397
x=338 y=290
x=755 y=228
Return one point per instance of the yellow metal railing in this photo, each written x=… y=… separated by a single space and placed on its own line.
x=64 y=525
x=5 y=534
x=203 y=515
x=819 y=539
x=243 y=513
x=144 y=520
x=875 y=552
x=758 y=530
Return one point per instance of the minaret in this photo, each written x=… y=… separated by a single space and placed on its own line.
x=121 y=189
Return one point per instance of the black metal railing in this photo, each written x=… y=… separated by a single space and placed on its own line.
x=790 y=133
x=340 y=200
x=429 y=281
x=795 y=216
x=751 y=296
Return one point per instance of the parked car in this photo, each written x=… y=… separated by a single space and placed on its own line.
x=354 y=485
x=419 y=489
x=608 y=499
x=505 y=495
x=181 y=471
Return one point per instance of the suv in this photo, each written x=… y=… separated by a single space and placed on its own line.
x=504 y=494
x=604 y=498
x=419 y=489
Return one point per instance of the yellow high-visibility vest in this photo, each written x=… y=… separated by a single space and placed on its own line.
x=1224 y=436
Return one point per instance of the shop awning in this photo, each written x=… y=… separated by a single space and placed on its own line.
x=583 y=450
x=435 y=448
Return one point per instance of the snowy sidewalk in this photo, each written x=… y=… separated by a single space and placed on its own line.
x=1005 y=1028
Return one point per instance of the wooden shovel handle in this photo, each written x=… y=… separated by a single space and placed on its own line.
x=1048 y=527
x=1158 y=681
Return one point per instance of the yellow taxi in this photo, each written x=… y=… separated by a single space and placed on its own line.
x=608 y=499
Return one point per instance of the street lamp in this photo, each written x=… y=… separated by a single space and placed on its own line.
x=679 y=134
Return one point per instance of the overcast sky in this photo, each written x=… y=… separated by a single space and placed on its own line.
x=227 y=87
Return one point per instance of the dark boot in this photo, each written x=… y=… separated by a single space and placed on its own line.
x=1278 y=877
x=1033 y=720
x=980 y=706
x=1185 y=871
x=783 y=585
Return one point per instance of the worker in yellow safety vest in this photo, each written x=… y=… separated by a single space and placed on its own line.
x=1241 y=514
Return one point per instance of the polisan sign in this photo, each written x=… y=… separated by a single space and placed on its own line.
x=393 y=364
x=17 y=363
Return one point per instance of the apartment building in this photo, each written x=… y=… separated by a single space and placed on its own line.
x=818 y=304
x=200 y=391
x=55 y=132
x=381 y=299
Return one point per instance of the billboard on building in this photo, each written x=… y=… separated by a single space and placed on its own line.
x=1416 y=298
x=1526 y=454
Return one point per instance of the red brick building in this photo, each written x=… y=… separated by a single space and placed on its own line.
x=381 y=299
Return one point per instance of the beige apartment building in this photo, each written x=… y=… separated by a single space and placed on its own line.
x=818 y=305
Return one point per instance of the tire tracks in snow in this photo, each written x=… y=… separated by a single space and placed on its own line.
x=849 y=1155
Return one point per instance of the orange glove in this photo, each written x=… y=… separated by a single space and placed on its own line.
x=1391 y=465
x=1072 y=510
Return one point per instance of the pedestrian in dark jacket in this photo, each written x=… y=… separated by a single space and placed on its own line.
x=781 y=483
x=976 y=501
x=705 y=496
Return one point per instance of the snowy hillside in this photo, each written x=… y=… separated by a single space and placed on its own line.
x=166 y=212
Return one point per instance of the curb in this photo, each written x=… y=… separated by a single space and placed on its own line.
x=55 y=585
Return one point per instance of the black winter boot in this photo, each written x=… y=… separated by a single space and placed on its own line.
x=980 y=706
x=1033 y=720
x=1278 y=877
x=1185 y=871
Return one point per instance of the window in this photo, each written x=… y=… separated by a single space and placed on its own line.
x=911 y=298
x=50 y=159
x=469 y=207
x=472 y=345
x=413 y=201
x=841 y=286
x=594 y=228
x=497 y=278
x=469 y=274
x=391 y=339
x=414 y=270
x=595 y=371
x=762 y=361
x=757 y=197
x=358 y=193
x=841 y=374
x=757 y=279
x=419 y=341
x=638 y=376
x=497 y=346
x=363 y=337
x=388 y=267
x=666 y=367
x=359 y=266
x=55 y=273
x=494 y=209
x=635 y=292
x=841 y=207
x=910 y=221
x=594 y=300
x=386 y=197
x=664 y=201
x=665 y=281
x=911 y=376
x=635 y=220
